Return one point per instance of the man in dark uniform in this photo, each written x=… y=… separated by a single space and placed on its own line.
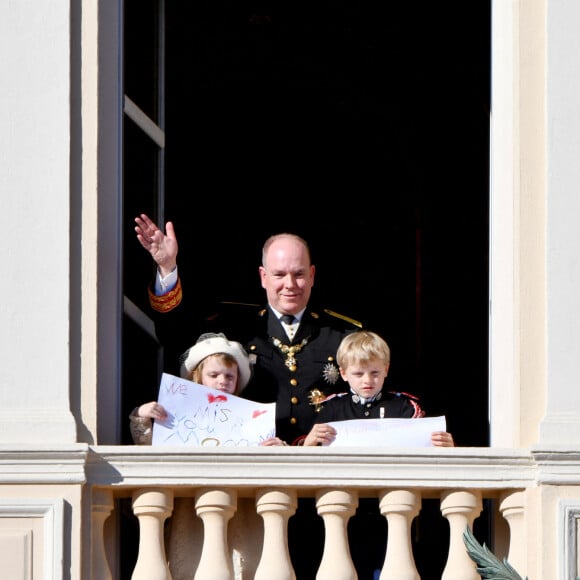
x=292 y=347
x=295 y=372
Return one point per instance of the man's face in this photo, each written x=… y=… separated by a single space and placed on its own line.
x=287 y=276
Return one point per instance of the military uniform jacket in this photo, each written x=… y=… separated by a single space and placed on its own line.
x=347 y=406
x=296 y=375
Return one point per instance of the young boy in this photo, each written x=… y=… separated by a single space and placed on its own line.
x=363 y=358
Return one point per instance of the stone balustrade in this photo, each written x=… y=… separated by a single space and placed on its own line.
x=223 y=514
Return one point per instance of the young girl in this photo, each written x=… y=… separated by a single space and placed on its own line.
x=363 y=358
x=213 y=361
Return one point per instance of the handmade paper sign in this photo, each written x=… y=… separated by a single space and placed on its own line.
x=387 y=432
x=199 y=415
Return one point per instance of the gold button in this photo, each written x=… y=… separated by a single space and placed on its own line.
x=330 y=358
x=292 y=368
x=293 y=382
x=294 y=400
x=253 y=347
x=293 y=421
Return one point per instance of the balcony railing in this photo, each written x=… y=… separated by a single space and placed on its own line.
x=222 y=513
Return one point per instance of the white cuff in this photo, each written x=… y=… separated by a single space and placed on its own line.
x=164 y=285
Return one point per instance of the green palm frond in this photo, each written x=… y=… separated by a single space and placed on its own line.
x=488 y=565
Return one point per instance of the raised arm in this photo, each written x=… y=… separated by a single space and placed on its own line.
x=162 y=247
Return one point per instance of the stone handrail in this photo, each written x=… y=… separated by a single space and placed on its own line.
x=222 y=481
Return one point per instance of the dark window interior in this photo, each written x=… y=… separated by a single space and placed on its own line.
x=364 y=127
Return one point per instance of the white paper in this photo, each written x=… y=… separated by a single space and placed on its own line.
x=199 y=415
x=387 y=432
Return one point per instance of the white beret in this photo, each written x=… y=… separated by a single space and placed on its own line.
x=214 y=344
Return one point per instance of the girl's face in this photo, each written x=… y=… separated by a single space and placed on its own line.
x=366 y=378
x=218 y=374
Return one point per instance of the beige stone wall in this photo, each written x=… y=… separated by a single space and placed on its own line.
x=35 y=531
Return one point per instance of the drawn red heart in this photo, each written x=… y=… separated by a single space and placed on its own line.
x=257 y=414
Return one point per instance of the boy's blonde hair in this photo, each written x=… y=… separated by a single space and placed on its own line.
x=362 y=346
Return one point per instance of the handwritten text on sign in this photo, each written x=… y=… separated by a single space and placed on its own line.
x=198 y=415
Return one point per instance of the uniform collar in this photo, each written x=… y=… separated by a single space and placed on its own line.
x=356 y=398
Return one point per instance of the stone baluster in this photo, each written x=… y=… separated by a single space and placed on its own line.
x=460 y=508
x=275 y=507
x=184 y=538
x=512 y=507
x=400 y=507
x=336 y=507
x=152 y=507
x=215 y=507
x=101 y=509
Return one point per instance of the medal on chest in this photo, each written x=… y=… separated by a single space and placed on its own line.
x=290 y=351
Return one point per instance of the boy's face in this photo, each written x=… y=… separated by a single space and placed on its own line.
x=365 y=378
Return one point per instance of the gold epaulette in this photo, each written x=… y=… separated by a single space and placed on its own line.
x=168 y=301
x=343 y=317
